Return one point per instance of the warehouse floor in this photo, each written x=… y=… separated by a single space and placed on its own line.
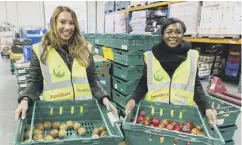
x=8 y=104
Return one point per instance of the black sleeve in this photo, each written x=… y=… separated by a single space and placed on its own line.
x=35 y=82
x=142 y=88
x=200 y=97
x=96 y=87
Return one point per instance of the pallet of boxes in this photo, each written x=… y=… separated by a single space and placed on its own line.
x=126 y=53
x=6 y=39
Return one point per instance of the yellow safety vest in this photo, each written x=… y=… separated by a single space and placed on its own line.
x=180 y=89
x=59 y=82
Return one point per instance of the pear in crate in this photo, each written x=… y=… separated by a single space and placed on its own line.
x=82 y=131
x=62 y=133
x=27 y=135
x=54 y=133
x=37 y=131
x=102 y=128
x=38 y=137
x=70 y=124
x=56 y=125
x=96 y=131
x=63 y=126
x=95 y=136
x=47 y=125
x=48 y=138
x=76 y=126
x=103 y=133
x=40 y=126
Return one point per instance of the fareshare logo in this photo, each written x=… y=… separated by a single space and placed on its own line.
x=57 y=72
x=157 y=76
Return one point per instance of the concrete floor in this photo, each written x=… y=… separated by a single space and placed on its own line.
x=8 y=104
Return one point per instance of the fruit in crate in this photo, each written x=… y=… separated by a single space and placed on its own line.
x=147 y=123
x=147 y=118
x=195 y=131
x=140 y=120
x=48 y=138
x=162 y=125
x=165 y=121
x=27 y=135
x=102 y=128
x=170 y=127
x=70 y=124
x=95 y=136
x=103 y=133
x=76 y=125
x=62 y=133
x=63 y=126
x=82 y=131
x=155 y=121
x=38 y=137
x=54 y=133
x=40 y=126
x=173 y=123
x=199 y=128
x=47 y=125
x=178 y=127
x=56 y=125
x=142 y=113
x=96 y=131
x=185 y=129
x=189 y=124
x=37 y=131
x=27 y=127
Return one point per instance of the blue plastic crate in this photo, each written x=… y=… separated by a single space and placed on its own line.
x=232 y=65
x=232 y=72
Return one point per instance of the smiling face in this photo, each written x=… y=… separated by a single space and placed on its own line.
x=173 y=35
x=65 y=26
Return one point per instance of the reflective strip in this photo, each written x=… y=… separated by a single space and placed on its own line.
x=178 y=102
x=80 y=80
x=152 y=87
x=149 y=64
x=190 y=84
x=182 y=87
x=45 y=67
x=83 y=98
x=53 y=86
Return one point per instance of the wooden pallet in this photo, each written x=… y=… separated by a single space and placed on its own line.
x=137 y=5
x=224 y=36
x=190 y=35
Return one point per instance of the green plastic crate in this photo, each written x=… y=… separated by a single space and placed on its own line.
x=105 y=80
x=23 y=71
x=22 y=78
x=97 y=49
x=231 y=142
x=128 y=58
x=119 y=98
x=228 y=132
x=128 y=41
x=127 y=72
x=125 y=87
x=87 y=112
x=144 y=135
x=90 y=37
x=227 y=113
x=100 y=61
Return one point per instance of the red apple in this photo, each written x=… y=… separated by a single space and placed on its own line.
x=165 y=121
x=147 y=123
x=155 y=121
x=142 y=113
x=170 y=127
x=199 y=128
x=140 y=120
x=185 y=129
x=173 y=123
x=152 y=125
x=189 y=124
x=177 y=127
x=162 y=125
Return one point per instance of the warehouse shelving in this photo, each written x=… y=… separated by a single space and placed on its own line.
x=211 y=40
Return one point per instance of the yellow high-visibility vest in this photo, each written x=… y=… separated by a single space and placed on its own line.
x=179 y=89
x=58 y=82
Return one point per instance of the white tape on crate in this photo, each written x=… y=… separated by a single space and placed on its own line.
x=103 y=82
x=115 y=86
x=21 y=71
x=22 y=78
x=23 y=85
x=124 y=47
x=96 y=50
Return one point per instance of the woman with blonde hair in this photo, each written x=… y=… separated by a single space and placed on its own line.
x=62 y=67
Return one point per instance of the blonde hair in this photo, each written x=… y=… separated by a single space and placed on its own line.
x=77 y=45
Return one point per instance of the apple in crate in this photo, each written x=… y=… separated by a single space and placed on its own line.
x=189 y=124
x=199 y=128
x=178 y=127
x=147 y=123
x=147 y=118
x=165 y=121
x=140 y=120
x=155 y=121
x=186 y=129
x=142 y=113
x=162 y=125
x=173 y=123
x=170 y=127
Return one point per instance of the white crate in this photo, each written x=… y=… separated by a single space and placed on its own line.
x=203 y=66
x=204 y=73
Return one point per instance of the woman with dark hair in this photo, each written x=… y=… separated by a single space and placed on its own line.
x=170 y=72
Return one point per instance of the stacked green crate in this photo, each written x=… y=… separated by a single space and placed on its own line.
x=227 y=115
x=22 y=70
x=126 y=53
x=102 y=67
